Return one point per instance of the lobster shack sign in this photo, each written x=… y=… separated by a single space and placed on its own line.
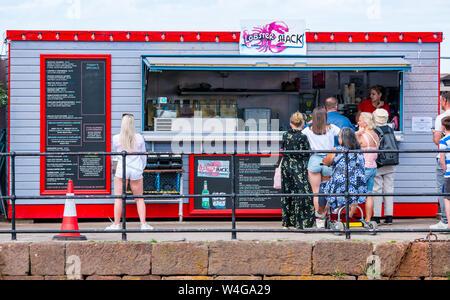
x=273 y=37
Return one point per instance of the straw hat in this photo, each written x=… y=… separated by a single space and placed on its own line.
x=381 y=117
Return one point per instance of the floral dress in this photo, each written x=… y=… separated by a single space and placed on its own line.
x=297 y=212
x=337 y=184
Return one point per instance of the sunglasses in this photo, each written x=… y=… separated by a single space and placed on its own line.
x=129 y=115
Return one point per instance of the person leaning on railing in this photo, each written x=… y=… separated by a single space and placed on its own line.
x=297 y=212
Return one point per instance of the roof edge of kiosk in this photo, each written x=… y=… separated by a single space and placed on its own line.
x=216 y=36
x=271 y=63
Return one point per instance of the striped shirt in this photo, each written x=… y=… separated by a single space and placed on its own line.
x=444 y=144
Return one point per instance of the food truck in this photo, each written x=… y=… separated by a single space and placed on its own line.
x=200 y=96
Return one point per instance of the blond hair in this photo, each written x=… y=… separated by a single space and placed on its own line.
x=127 y=133
x=368 y=119
x=297 y=119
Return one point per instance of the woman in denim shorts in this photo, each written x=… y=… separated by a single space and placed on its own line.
x=321 y=137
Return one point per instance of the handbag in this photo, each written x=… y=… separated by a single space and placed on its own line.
x=277 y=177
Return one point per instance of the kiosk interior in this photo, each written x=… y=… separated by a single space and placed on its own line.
x=248 y=96
x=259 y=95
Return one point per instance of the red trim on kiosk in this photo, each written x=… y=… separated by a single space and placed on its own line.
x=107 y=57
x=217 y=36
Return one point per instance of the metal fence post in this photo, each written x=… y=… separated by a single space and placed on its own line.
x=347 y=198
x=124 y=196
x=233 y=199
x=13 y=196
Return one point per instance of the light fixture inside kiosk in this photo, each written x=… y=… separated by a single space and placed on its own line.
x=236 y=97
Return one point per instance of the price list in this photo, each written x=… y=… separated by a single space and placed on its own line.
x=75 y=120
x=255 y=176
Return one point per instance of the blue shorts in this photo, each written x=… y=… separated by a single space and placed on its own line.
x=370 y=177
x=314 y=165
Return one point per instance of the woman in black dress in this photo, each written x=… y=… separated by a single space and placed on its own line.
x=297 y=212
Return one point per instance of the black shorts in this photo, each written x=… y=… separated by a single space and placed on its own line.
x=447 y=187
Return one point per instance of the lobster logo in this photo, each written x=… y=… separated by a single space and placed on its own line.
x=215 y=169
x=269 y=38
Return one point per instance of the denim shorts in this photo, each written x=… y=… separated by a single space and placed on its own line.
x=370 y=177
x=314 y=165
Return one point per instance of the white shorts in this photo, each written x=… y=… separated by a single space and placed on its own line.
x=131 y=174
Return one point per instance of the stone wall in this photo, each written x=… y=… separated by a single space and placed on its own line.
x=230 y=260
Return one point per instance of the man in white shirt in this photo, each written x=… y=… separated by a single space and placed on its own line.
x=437 y=136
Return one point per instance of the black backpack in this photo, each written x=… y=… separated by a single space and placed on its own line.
x=387 y=142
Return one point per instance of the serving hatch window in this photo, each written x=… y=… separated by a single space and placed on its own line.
x=259 y=100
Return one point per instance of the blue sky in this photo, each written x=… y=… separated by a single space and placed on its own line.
x=225 y=15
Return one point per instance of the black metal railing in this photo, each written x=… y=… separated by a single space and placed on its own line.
x=347 y=230
x=3 y=170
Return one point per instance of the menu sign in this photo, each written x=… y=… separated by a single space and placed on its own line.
x=211 y=178
x=255 y=176
x=75 y=117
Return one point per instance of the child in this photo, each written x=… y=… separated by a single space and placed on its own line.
x=444 y=144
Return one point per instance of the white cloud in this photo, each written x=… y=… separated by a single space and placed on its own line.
x=74 y=10
x=374 y=9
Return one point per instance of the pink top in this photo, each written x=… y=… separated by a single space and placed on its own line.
x=370 y=158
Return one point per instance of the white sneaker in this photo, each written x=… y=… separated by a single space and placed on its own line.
x=145 y=227
x=113 y=227
x=319 y=216
x=320 y=223
x=439 y=225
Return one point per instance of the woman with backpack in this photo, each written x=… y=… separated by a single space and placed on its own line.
x=384 y=181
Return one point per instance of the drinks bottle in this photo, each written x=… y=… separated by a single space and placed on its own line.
x=205 y=200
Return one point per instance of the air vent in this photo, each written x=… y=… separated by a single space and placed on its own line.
x=163 y=124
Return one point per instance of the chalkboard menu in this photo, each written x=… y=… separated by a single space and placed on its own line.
x=254 y=175
x=75 y=117
x=211 y=177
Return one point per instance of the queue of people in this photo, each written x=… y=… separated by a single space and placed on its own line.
x=326 y=173
x=320 y=173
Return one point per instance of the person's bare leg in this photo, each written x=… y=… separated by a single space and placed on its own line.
x=118 y=202
x=352 y=211
x=369 y=209
x=315 y=179
x=137 y=186
x=447 y=209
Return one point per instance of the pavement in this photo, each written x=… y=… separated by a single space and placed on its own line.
x=171 y=231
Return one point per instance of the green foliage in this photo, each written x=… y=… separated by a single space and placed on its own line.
x=3 y=96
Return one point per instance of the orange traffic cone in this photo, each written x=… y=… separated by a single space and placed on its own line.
x=70 y=219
